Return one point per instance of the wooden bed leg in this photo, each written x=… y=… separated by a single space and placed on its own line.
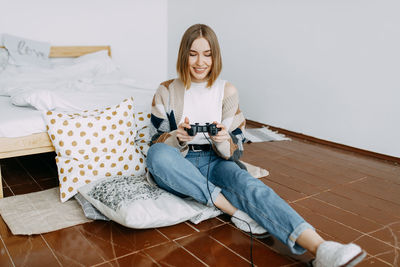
x=1 y=184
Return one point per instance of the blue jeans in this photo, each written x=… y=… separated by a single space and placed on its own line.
x=187 y=176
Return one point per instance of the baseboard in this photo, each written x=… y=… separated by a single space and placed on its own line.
x=391 y=159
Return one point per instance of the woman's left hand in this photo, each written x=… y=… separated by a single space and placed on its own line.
x=222 y=134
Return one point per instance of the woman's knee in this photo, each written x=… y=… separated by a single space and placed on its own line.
x=252 y=183
x=160 y=154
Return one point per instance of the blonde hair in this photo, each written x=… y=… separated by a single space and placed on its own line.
x=182 y=65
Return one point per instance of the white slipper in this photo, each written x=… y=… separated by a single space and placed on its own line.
x=333 y=254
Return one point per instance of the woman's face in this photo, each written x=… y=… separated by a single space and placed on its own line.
x=200 y=60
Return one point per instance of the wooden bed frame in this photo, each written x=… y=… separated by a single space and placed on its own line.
x=40 y=142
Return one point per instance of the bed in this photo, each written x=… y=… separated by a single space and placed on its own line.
x=37 y=140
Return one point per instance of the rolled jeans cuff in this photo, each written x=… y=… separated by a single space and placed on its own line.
x=214 y=195
x=294 y=247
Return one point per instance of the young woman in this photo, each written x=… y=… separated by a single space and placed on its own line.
x=183 y=164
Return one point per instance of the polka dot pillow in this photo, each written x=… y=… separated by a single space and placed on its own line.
x=94 y=144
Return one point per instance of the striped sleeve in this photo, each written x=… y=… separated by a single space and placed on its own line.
x=163 y=125
x=233 y=119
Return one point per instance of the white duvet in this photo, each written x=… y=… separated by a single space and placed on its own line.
x=81 y=96
x=90 y=81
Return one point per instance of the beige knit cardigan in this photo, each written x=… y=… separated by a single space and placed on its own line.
x=166 y=112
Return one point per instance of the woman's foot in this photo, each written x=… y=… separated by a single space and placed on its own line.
x=333 y=254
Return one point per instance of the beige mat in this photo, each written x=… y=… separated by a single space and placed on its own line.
x=43 y=212
x=40 y=212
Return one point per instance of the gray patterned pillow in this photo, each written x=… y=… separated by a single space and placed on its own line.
x=133 y=202
x=89 y=210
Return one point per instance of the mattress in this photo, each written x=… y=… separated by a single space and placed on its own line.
x=19 y=121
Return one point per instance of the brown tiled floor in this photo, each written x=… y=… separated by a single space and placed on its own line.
x=347 y=197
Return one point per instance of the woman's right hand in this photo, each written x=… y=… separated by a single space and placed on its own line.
x=181 y=133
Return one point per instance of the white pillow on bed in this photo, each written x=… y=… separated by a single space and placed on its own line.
x=91 y=145
x=26 y=52
x=98 y=63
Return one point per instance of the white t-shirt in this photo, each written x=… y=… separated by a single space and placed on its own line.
x=203 y=105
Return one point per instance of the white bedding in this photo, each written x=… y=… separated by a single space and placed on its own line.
x=19 y=121
x=100 y=96
x=59 y=76
x=89 y=82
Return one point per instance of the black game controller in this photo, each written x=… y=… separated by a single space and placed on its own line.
x=211 y=129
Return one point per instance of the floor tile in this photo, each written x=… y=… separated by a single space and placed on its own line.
x=5 y=232
x=27 y=250
x=130 y=239
x=281 y=249
x=36 y=167
x=106 y=248
x=367 y=200
x=350 y=219
x=304 y=175
x=13 y=172
x=177 y=231
x=378 y=202
x=389 y=233
x=210 y=251
x=71 y=247
x=372 y=261
x=170 y=254
x=7 y=192
x=372 y=246
x=391 y=257
x=207 y=224
x=240 y=243
x=324 y=167
x=25 y=188
x=379 y=188
x=294 y=183
x=253 y=151
x=5 y=258
x=347 y=201
x=48 y=183
x=332 y=228
x=284 y=192
x=367 y=165
x=136 y=259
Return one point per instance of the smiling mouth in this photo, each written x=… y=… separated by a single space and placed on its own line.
x=199 y=70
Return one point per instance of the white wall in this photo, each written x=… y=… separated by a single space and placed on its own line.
x=135 y=29
x=328 y=69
